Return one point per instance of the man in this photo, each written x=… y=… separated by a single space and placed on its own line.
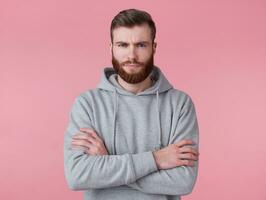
x=134 y=136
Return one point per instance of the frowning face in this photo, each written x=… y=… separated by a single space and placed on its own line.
x=132 y=53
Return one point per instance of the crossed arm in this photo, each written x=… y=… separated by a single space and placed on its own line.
x=84 y=171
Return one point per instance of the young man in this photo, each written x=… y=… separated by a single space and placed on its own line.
x=134 y=136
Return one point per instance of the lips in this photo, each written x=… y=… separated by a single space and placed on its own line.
x=132 y=65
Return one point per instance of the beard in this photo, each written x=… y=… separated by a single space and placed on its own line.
x=146 y=69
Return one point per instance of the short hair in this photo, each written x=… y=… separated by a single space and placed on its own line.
x=132 y=17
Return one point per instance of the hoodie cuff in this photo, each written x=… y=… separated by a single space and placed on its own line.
x=143 y=164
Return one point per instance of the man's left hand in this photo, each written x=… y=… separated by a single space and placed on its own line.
x=93 y=144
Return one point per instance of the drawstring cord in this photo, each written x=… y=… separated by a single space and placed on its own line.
x=114 y=122
x=159 y=121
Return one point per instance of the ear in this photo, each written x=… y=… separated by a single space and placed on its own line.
x=154 y=47
x=110 y=46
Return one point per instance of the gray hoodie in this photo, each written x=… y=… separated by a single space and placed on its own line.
x=132 y=126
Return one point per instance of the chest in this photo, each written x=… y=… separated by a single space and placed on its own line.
x=135 y=124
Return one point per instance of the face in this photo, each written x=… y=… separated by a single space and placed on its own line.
x=132 y=53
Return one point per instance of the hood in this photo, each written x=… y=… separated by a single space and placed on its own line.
x=109 y=82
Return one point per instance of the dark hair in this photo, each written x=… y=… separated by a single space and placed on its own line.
x=132 y=17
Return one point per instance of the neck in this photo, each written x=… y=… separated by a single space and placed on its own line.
x=135 y=88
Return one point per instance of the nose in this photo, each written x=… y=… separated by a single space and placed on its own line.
x=132 y=56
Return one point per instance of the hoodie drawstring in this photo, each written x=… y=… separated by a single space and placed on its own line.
x=158 y=121
x=114 y=122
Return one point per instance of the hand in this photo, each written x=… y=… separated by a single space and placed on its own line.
x=176 y=155
x=92 y=143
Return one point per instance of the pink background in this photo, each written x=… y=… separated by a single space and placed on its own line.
x=51 y=51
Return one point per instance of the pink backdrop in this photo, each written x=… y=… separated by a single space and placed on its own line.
x=50 y=51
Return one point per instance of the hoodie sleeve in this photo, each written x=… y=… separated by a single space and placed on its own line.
x=179 y=180
x=83 y=171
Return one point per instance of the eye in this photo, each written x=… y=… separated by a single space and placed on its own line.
x=141 y=45
x=122 y=45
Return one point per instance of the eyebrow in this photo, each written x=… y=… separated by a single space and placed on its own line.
x=143 y=42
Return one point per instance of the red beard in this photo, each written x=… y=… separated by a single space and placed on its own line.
x=146 y=69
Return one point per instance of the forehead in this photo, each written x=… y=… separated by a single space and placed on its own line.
x=132 y=34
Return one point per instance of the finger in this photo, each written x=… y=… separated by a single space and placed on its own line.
x=185 y=142
x=87 y=137
x=94 y=152
x=77 y=147
x=93 y=134
x=188 y=150
x=86 y=130
x=90 y=152
x=92 y=140
x=82 y=143
x=188 y=162
x=90 y=132
x=188 y=156
x=80 y=136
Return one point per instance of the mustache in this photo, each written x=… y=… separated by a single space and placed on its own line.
x=131 y=63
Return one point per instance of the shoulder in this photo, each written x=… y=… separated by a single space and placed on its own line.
x=91 y=96
x=84 y=97
x=181 y=100
x=88 y=94
x=180 y=95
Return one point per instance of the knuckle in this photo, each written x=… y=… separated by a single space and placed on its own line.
x=176 y=149
x=97 y=144
x=87 y=135
x=177 y=162
x=97 y=147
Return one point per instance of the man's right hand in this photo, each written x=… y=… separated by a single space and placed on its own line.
x=176 y=155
